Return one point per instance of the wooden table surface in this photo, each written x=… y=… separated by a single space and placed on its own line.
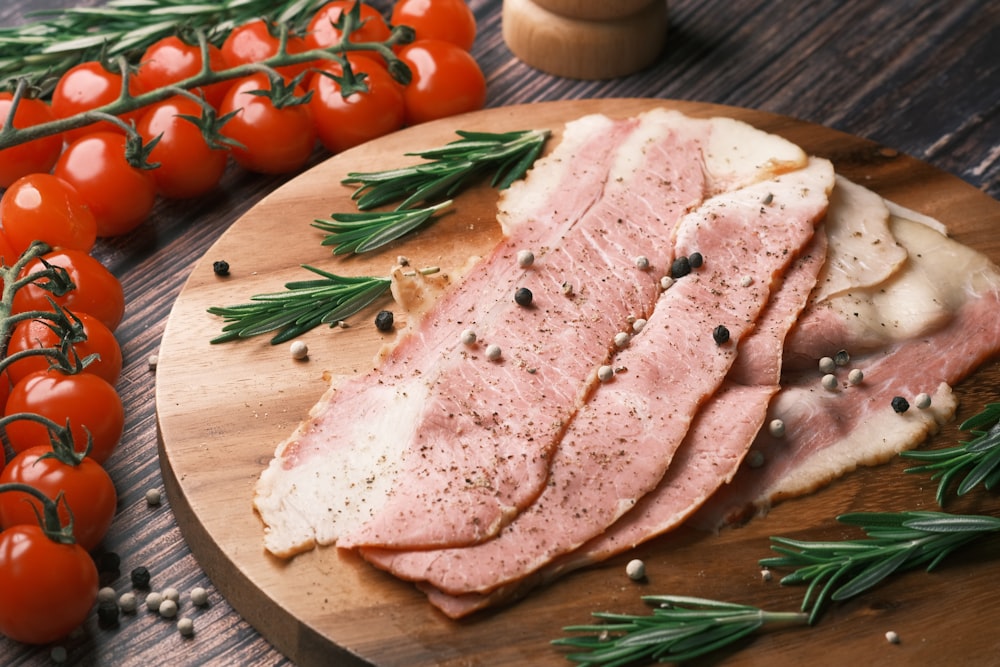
x=922 y=78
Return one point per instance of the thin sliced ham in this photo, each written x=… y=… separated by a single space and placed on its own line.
x=709 y=456
x=940 y=325
x=440 y=446
x=620 y=443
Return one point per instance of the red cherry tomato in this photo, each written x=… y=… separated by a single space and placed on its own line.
x=274 y=141
x=258 y=40
x=38 y=334
x=97 y=291
x=446 y=81
x=31 y=157
x=87 y=401
x=322 y=32
x=43 y=207
x=119 y=195
x=343 y=123
x=87 y=86
x=47 y=589
x=86 y=487
x=447 y=20
x=188 y=166
x=171 y=59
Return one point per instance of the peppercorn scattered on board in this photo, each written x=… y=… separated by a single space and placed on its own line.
x=222 y=408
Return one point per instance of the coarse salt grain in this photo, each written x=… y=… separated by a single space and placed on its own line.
x=922 y=401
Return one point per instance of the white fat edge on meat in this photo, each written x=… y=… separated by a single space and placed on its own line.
x=909 y=214
x=738 y=154
x=862 y=250
x=874 y=440
x=922 y=296
x=289 y=504
x=526 y=195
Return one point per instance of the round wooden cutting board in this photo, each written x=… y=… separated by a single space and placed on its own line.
x=222 y=409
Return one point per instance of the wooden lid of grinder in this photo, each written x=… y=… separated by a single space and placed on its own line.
x=585 y=39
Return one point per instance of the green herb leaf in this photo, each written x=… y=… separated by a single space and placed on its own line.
x=680 y=628
x=370 y=230
x=895 y=542
x=968 y=464
x=449 y=168
x=305 y=305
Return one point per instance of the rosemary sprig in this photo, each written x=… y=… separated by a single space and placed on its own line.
x=61 y=38
x=974 y=462
x=449 y=168
x=679 y=628
x=307 y=304
x=839 y=570
x=369 y=230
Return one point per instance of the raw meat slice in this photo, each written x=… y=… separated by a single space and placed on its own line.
x=446 y=434
x=339 y=465
x=720 y=436
x=940 y=325
x=863 y=251
x=620 y=443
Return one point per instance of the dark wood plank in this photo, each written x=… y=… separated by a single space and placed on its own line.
x=921 y=78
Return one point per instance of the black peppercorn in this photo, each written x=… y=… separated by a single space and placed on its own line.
x=221 y=267
x=140 y=577
x=523 y=296
x=680 y=268
x=900 y=404
x=107 y=614
x=721 y=335
x=384 y=320
x=695 y=260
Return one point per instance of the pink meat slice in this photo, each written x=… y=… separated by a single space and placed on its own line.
x=709 y=456
x=488 y=428
x=621 y=442
x=334 y=472
x=826 y=432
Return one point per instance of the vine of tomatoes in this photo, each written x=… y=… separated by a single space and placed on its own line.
x=61 y=416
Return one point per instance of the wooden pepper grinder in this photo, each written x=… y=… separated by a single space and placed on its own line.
x=586 y=39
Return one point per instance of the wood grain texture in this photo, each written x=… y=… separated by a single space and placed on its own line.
x=917 y=76
x=219 y=430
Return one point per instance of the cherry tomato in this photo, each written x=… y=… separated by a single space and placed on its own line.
x=346 y=122
x=7 y=254
x=87 y=86
x=86 y=487
x=88 y=401
x=274 y=141
x=38 y=334
x=31 y=157
x=43 y=207
x=258 y=40
x=47 y=589
x=119 y=195
x=322 y=32
x=188 y=166
x=97 y=291
x=446 y=81
x=171 y=59
x=4 y=394
x=447 y=20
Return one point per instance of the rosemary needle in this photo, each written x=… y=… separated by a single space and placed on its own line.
x=896 y=541
x=369 y=230
x=305 y=305
x=975 y=462
x=679 y=628
x=508 y=155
